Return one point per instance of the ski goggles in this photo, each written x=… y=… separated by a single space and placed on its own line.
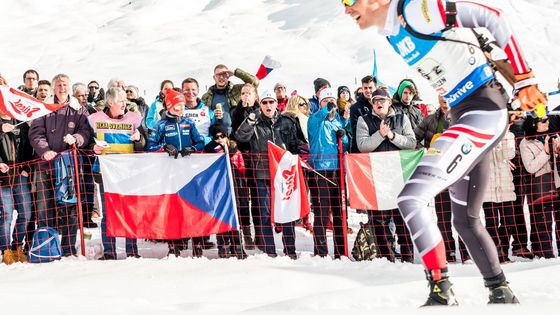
x=349 y=3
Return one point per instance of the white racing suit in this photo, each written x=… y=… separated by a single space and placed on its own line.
x=460 y=73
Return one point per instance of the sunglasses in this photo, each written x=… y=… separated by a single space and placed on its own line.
x=219 y=136
x=302 y=104
x=378 y=101
x=128 y=91
x=349 y=3
x=93 y=87
x=267 y=102
x=543 y=120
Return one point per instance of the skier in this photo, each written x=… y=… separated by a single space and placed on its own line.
x=438 y=40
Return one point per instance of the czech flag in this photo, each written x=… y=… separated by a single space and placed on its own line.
x=23 y=107
x=157 y=197
x=266 y=67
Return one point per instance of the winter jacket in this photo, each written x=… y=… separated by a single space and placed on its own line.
x=14 y=149
x=238 y=115
x=313 y=104
x=535 y=160
x=154 y=113
x=203 y=117
x=500 y=185
x=412 y=111
x=323 y=141
x=291 y=133
x=180 y=132
x=46 y=133
x=426 y=130
x=257 y=133
x=360 y=108
x=369 y=138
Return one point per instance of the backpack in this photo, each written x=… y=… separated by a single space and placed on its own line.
x=364 y=245
x=65 y=177
x=45 y=246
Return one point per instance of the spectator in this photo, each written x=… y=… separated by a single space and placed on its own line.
x=176 y=134
x=196 y=111
x=119 y=128
x=158 y=106
x=358 y=93
x=50 y=135
x=133 y=95
x=378 y=131
x=30 y=82
x=281 y=96
x=537 y=151
x=225 y=92
x=344 y=100
x=499 y=197
x=95 y=94
x=323 y=130
x=120 y=84
x=257 y=129
x=362 y=106
x=219 y=143
x=15 y=190
x=296 y=109
x=43 y=90
x=404 y=101
x=319 y=84
x=431 y=109
x=80 y=92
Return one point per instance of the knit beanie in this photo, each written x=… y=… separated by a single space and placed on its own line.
x=320 y=83
x=404 y=84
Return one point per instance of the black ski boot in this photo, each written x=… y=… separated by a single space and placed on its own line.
x=500 y=292
x=441 y=293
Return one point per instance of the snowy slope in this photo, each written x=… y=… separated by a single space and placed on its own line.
x=146 y=41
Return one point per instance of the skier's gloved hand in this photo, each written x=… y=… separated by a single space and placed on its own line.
x=527 y=91
x=171 y=150
x=331 y=106
x=187 y=151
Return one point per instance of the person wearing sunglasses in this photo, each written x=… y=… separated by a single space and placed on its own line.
x=95 y=93
x=257 y=129
x=423 y=33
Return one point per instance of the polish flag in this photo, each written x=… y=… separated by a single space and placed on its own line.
x=20 y=106
x=157 y=197
x=288 y=188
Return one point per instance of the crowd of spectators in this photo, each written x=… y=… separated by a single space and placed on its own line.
x=236 y=118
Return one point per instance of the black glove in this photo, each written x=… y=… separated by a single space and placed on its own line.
x=187 y=151
x=171 y=150
x=340 y=133
x=331 y=106
x=252 y=118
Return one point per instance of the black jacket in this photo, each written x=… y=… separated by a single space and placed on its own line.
x=357 y=110
x=291 y=133
x=14 y=149
x=426 y=130
x=257 y=134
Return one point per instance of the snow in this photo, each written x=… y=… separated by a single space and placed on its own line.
x=146 y=41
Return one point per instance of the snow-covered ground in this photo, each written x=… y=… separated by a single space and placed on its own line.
x=146 y=41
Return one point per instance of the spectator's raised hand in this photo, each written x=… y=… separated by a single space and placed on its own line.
x=384 y=129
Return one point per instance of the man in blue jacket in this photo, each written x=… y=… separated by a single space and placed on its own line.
x=324 y=127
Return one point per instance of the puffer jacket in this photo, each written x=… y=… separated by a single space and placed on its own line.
x=323 y=141
x=426 y=130
x=500 y=185
x=257 y=134
x=14 y=149
x=369 y=138
x=535 y=160
x=180 y=132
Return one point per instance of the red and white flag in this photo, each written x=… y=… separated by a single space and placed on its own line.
x=266 y=67
x=23 y=107
x=288 y=188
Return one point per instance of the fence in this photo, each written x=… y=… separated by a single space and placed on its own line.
x=520 y=227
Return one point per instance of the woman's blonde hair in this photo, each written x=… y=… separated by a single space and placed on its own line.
x=293 y=105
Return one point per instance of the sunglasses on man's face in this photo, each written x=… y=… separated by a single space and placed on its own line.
x=349 y=3
x=267 y=102
x=219 y=136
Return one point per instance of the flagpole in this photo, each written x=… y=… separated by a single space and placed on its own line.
x=79 y=201
x=342 y=191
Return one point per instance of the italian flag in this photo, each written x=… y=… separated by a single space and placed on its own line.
x=375 y=179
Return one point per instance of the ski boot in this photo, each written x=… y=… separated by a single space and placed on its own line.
x=441 y=293
x=500 y=292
